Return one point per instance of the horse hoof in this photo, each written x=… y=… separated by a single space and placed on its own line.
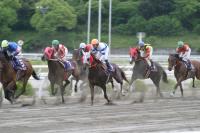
x=110 y=103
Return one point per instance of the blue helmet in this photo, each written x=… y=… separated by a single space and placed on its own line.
x=141 y=43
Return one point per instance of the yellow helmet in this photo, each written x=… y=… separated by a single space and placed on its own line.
x=4 y=43
x=94 y=42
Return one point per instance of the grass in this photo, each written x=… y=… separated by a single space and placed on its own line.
x=36 y=42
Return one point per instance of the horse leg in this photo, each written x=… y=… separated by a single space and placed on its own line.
x=23 y=89
x=193 y=79
x=62 y=88
x=75 y=89
x=52 y=89
x=9 y=95
x=181 y=88
x=92 y=92
x=133 y=78
x=105 y=93
x=156 y=82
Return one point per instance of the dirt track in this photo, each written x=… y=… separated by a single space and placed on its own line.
x=161 y=115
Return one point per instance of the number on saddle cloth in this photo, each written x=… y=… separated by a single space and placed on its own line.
x=18 y=64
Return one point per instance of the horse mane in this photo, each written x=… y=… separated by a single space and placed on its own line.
x=176 y=55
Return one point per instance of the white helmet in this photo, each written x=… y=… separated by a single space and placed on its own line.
x=20 y=42
x=82 y=45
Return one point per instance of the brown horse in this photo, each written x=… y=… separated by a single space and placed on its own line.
x=57 y=73
x=180 y=71
x=141 y=71
x=8 y=77
x=99 y=77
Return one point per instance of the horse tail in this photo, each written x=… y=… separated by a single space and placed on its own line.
x=124 y=75
x=164 y=77
x=35 y=76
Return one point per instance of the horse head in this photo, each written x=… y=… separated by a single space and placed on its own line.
x=48 y=53
x=88 y=59
x=77 y=54
x=172 y=61
x=134 y=54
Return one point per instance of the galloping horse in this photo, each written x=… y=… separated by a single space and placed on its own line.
x=8 y=77
x=83 y=72
x=180 y=71
x=141 y=71
x=99 y=77
x=57 y=73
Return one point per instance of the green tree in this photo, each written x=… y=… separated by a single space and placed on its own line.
x=8 y=16
x=163 y=26
x=24 y=15
x=59 y=15
x=153 y=8
x=187 y=12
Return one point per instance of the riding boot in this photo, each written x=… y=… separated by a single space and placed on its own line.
x=189 y=65
x=109 y=67
x=152 y=65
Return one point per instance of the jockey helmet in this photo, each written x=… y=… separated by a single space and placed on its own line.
x=82 y=45
x=141 y=43
x=180 y=44
x=4 y=44
x=20 y=42
x=55 y=42
x=94 y=42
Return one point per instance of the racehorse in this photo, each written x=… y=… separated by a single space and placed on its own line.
x=8 y=76
x=98 y=76
x=83 y=72
x=141 y=70
x=57 y=73
x=180 y=71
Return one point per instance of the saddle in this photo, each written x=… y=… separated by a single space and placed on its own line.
x=19 y=64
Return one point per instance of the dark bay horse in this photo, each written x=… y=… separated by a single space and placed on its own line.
x=99 y=77
x=141 y=71
x=57 y=73
x=8 y=77
x=180 y=71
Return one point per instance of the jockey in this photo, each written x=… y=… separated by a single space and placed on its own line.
x=101 y=49
x=12 y=49
x=82 y=47
x=60 y=52
x=184 y=51
x=146 y=51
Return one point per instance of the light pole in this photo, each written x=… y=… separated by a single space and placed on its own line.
x=89 y=21
x=110 y=25
x=99 y=21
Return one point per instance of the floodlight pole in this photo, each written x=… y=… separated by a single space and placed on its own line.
x=99 y=21
x=110 y=25
x=89 y=21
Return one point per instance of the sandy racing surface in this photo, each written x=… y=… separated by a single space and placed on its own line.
x=153 y=115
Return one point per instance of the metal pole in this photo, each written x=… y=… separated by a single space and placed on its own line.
x=89 y=21
x=99 y=22
x=110 y=24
